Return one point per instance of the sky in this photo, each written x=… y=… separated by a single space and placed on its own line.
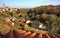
x=28 y=3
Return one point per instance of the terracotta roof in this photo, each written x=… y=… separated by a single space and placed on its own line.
x=8 y=21
x=25 y=34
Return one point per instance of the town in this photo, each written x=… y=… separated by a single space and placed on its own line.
x=43 y=19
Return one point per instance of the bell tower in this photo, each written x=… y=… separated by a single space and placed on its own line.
x=3 y=5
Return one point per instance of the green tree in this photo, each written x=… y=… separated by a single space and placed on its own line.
x=56 y=26
x=50 y=20
x=18 y=11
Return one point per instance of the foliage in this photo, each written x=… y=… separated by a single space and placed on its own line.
x=53 y=24
x=56 y=26
x=4 y=28
x=48 y=15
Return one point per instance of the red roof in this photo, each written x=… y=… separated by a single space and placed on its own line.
x=25 y=34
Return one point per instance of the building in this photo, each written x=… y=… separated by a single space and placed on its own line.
x=6 y=8
x=8 y=21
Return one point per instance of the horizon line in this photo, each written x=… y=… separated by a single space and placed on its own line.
x=28 y=7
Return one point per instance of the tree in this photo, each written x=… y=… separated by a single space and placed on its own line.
x=58 y=14
x=29 y=11
x=44 y=17
x=56 y=26
x=48 y=12
x=50 y=20
x=40 y=11
x=18 y=11
x=11 y=13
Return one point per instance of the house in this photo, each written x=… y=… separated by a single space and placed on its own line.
x=23 y=23
x=8 y=21
x=28 y=21
x=41 y=25
x=36 y=24
x=0 y=10
x=14 y=18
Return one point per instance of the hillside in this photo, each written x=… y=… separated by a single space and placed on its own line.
x=48 y=16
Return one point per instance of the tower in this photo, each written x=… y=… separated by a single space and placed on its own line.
x=3 y=5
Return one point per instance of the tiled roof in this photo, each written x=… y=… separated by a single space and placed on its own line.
x=25 y=34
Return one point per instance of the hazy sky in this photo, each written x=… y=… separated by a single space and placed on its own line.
x=28 y=3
